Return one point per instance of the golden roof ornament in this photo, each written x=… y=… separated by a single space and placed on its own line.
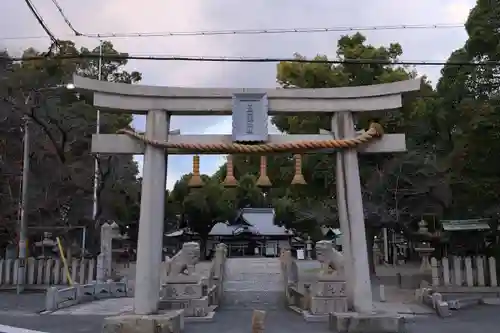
x=195 y=181
x=298 y=178
x=263 y=180
x=230 y=180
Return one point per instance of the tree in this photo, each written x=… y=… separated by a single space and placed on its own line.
x=468 y=119
x=201 y=208
x=62 y=122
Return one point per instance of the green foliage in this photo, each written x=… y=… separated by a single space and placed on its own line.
x=61 y=125
x=393 y=185
x=450 y=169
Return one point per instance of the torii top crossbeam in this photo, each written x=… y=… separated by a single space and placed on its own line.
x=139 y=99
x=131 y=98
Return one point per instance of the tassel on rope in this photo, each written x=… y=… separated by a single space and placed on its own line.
x=195 y=181
x=230 y=180
x=298 y=178
x=263 y=180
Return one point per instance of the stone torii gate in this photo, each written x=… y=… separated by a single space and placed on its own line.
x=250 y=109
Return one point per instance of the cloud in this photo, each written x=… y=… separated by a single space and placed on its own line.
x=190 y=15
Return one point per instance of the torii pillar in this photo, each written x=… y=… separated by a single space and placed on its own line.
x=152 y=214
x=351 y=218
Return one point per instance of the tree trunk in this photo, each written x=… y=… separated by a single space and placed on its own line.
x=370 y=236
x=203 y=247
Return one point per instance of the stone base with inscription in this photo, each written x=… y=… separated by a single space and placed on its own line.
x=169 y=322
x=182 y=290
x=327 y=305
x=328 y=295
x=198 y=307
x=353 y=322
x=191 y=297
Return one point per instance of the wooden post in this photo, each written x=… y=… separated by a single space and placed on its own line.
x=435 y=272
x=446 y=271
x=258 y=318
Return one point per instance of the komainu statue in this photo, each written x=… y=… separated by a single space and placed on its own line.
x=286 y=261
x=217 y=268
x=332 y=261
x=184 y=261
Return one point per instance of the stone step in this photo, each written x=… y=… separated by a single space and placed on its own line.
x=253 y=283
x=264 y=300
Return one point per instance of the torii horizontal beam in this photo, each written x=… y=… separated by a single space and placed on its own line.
x=131 y=98
x=123 y=144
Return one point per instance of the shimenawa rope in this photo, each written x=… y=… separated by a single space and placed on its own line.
x=375 y=131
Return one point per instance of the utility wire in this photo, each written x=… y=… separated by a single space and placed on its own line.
x=66 y=19
x=40 y=21
x=117 y=35
x=256 y=60
x=272 y=31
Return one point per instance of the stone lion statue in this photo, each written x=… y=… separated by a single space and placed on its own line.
x=286 y=264
x=221 y=250
x=184 y=261
x=218 y=261
x=332 y=261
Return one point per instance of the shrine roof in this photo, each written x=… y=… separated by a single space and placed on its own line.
x=259 y=221
x=465 y=225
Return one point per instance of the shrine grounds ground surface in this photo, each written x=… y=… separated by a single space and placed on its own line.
x=21 y=311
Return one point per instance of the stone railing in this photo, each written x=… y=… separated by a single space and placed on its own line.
x=56 y=299
x=198 y=294
x=310 y=288
x=464 y=272
x=46 y=272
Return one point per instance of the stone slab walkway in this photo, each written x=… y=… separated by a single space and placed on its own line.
x=253 y=283
x=475 y=320
x=105 y=307
x=116 y=306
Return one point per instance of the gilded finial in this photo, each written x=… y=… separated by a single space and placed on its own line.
x=230 y=180
x=263 y=180
x=195 y=181
x=298 y=178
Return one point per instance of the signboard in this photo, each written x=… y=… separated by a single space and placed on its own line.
x=250 y=113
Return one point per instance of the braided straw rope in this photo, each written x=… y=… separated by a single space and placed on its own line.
x=375 y=131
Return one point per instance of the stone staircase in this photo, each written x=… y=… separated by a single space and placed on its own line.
x=253 y=283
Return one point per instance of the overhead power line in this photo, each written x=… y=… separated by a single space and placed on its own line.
x=255 y=60
x=116 y=35
x=40 y=20
x=65 y=18
x=272 y=31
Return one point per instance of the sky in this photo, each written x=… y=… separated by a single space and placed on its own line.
x=132 y=16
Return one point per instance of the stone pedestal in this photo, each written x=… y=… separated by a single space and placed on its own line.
x=425 y=253
x=328 y=295
x=169 y=322
x=105 y=258
x=190 y=297
x=353 y=322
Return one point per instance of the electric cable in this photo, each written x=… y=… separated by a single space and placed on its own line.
x=66 y=19
x=235 y=32
x=40 y=20
x=258 y=60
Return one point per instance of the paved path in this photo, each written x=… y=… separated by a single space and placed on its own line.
x=476 y=320
x=253 y=283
